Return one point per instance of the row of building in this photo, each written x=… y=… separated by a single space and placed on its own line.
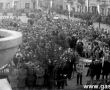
x=92 y=6
x=16 y=4
x=76 y=5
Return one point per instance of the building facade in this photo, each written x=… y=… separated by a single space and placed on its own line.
x=18 y=4
x=76 y=5
x=92 y=6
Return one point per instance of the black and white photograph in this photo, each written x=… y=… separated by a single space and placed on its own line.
x=54 y=44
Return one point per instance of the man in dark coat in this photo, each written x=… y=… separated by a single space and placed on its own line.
x=98 y=67
x=91 y=70
x=72 y=42
x=105 y=70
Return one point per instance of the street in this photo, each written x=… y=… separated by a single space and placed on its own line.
x=95 y=24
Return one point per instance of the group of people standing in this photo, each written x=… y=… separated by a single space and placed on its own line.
x=33 y=49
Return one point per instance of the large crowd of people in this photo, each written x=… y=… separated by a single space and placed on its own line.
x=52 y=49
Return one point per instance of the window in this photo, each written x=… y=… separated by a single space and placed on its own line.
x=94 y=9
x=27 y=5
x=1 y=5
x=7 y=5
x=66 y=7
x=61 y=7
x=102 y=9
x=15 y=4
x=86 y=8
x=108 y=11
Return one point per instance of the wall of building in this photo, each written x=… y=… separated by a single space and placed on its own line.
x=22 y=3
x=104 y=6
x=58 y=4
x=4 y=3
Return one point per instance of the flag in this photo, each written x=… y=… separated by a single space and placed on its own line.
x=98 y=8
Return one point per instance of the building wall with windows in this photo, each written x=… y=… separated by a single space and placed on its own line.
x=76 y=5
x=104 y=6
x=5 y=4
x=17 y=4
x=56 y=4
x=24 y=4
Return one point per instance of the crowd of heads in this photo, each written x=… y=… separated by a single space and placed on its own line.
x=56 y=44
